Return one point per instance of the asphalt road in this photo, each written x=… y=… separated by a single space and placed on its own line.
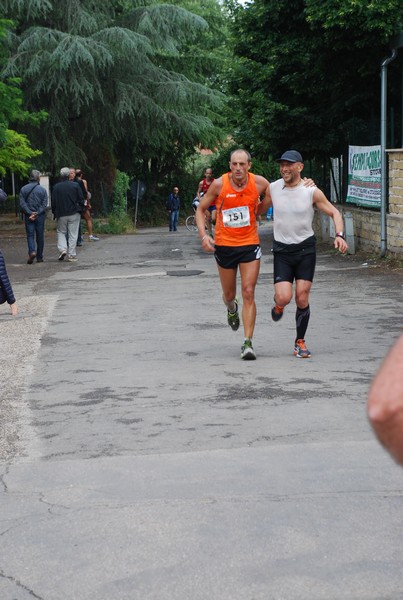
x=141 y=459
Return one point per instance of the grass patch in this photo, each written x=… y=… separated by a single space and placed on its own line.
x=114 y=224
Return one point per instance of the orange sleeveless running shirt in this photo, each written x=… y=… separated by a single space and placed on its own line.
x=236 y=214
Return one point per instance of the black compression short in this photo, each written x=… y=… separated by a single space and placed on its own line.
x=287 y=267
x=229 y=257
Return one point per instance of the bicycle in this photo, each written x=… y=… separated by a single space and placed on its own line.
x=191 y=221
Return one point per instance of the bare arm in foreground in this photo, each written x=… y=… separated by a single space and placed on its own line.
x=385 y=402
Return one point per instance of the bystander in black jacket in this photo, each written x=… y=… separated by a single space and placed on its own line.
x=6 y=291
x=67 y=199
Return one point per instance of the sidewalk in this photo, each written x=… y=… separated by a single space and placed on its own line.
x=143 y=460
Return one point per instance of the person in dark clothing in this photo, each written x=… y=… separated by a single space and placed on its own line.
x=33 y=204
x=73 y=177
x=6 y=291
x=67 y=206
x=87 y=207
x=173 y=204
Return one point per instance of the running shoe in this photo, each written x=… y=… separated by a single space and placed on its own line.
x=247 y=351
x=277 y=312
x=72 y=259
x=233 y=317
x=62 y=255
x=300 y=349
x=94 y=238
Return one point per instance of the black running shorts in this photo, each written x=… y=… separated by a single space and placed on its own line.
x=229 y=257
x=287 y=267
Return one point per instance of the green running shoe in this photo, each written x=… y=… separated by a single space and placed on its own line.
x=247 y=351
x=233 y=317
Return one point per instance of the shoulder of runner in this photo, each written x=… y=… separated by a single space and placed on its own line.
x=262 y=184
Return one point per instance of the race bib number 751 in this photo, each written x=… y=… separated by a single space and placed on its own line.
x=236 y=217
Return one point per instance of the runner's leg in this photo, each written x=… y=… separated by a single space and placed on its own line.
x=228 y=284
x=249 y=273
x=88 y=220
x=302 y=314
x=282 y=293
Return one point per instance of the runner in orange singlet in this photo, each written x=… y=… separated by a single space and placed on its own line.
x=237 y=198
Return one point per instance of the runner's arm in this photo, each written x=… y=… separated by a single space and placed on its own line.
x=199 y=189
x=263 y=187
x=322 y=203
x=385 y=402
x=209 y=197
x=308 y=182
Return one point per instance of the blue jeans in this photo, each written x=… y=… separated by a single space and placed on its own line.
x=37 y=228
x=173 y=220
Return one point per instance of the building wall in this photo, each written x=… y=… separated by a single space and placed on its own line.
x=367 y=222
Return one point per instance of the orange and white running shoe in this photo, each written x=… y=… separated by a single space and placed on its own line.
x=300 y=349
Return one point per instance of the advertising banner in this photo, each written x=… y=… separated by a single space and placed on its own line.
x=364 y=176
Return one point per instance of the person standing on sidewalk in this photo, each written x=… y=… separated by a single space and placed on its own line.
x=72 y=177
x=385 y=402
x=79 y=177
x=67 y=206
x=236 y=195
x=6 y=291
x=173 y=204
x=294 y=246
x=34 y=204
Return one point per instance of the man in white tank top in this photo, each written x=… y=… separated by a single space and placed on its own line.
x=294 y=247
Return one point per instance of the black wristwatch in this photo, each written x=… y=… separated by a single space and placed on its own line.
x=341 y=234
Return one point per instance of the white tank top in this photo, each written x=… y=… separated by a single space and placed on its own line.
x=293 y=212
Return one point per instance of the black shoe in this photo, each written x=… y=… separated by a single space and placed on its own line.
x=39 y=260
x=233 y=317
x=79 y=244
x=277 y=313
x=31 y=258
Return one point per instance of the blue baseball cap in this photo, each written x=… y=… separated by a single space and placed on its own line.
x=292 y=156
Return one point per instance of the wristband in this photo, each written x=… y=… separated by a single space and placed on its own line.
x=204 y=237
x=341 y=235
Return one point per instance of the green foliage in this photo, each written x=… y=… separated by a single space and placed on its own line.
x=365 y=18
x=113 y=73
x=118 y=220
x=115 y=224
x=308 y=73
x=153 y=212
x=119 y=197
x=16 y=151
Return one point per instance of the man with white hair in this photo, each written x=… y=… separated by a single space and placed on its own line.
x=33 y=204
x=67 y=206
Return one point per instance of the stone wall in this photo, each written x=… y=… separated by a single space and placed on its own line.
x=367 y=222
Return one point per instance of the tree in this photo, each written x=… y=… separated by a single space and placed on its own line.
x=15 y=149
x=309 y=72
x=100 y=70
